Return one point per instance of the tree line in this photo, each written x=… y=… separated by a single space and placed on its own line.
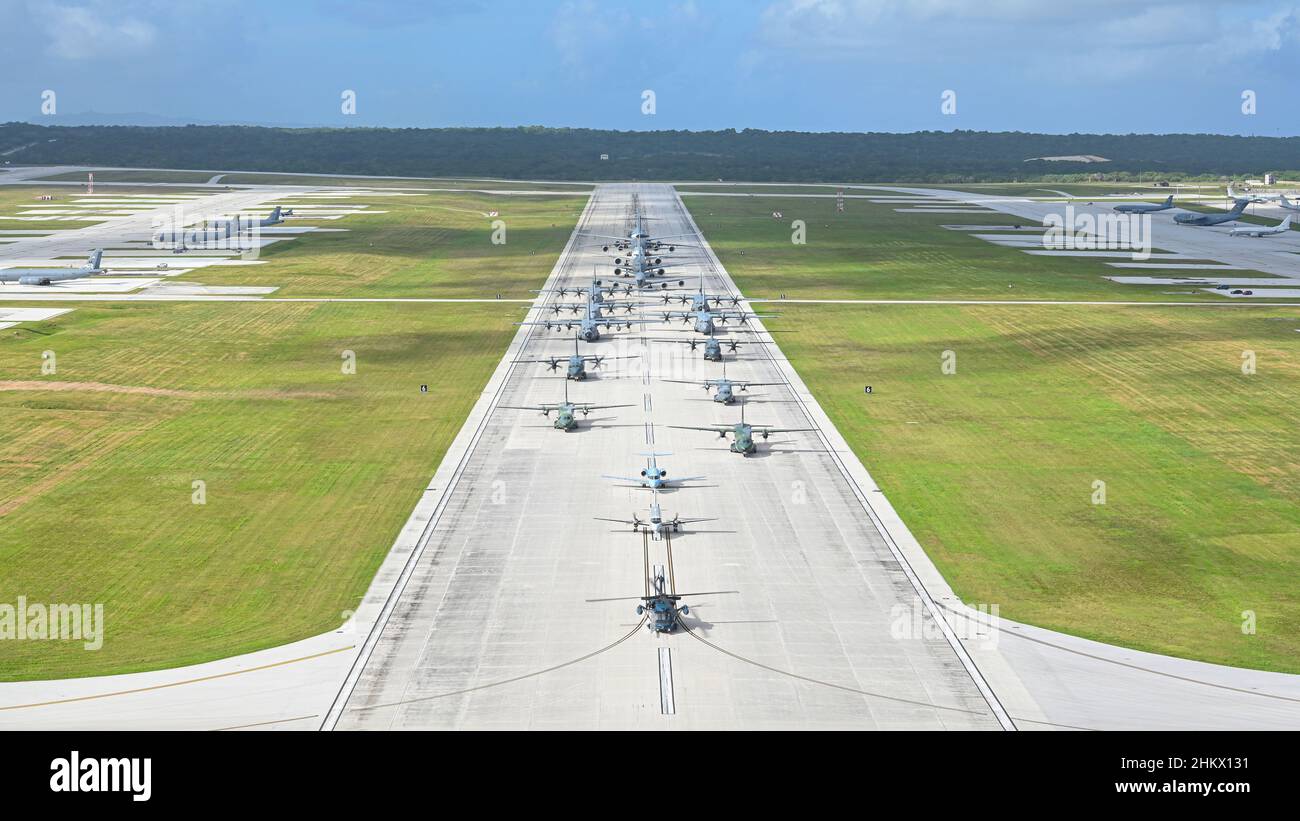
x=576 y=154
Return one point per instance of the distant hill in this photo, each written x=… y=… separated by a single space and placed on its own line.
x=574 y=154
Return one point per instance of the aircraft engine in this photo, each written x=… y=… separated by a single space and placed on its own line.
x=33 y=281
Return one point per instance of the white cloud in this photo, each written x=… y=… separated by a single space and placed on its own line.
x=1106 y=38
x=94 y=30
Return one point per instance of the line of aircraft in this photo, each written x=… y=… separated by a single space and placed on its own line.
x=1239 y=204
x=94 y=265
x=641 y=268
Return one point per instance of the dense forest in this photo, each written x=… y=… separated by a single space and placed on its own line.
x=575 y=154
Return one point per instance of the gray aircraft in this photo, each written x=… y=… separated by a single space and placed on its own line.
x=643 y=274
x=577 y=363
x=566 y=412
x=590 y=324
x=1252 y=196
x=639 y=238
x=742 y=433
x=706 y=321
x=724 y=389
x=699 y=301
x=1262 y=231
x=654 y=477
x=663 y=614
x=277 y=216
x=218 y=232
x=1191 y=218
x=656 y=525
x=712 y=345
x=1145 y=207
x=596 y=292
x=45 y=276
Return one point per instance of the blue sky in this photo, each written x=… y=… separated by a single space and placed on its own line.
x=820 y=65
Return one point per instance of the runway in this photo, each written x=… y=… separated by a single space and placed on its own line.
x=496 y=591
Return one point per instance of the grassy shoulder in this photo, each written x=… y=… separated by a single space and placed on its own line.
x=993 y=467
x=309 y=472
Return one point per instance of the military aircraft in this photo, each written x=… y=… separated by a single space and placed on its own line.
x=725 y=388
x=1262 y=231
x=1283 y=202
x=1145 y=207
x=276 y=217
x=596 y=292
x=1212 y=219
x=1251 y=196
x=664 y=614
x=654 y=477
x=656 y=526
x=743 y=433
x=565 y=412
x=196 y=235
x=699 y=301
x=577 y=363
x=712 y=345
x=45 y=276
x=638 y=237
x=704 y=321
x=590 y=324
x=643 y=273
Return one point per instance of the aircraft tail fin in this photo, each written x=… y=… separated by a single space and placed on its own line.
x=652 y=453
x=95 y=257
x=275 y=214
x=1286 y=223
x=1239 y=207
x=1169 y=200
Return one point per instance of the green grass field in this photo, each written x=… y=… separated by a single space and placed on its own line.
x=431 y=245
x=310 y=473
x=992 y=468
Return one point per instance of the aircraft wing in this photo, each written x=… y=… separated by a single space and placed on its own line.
x=763 y=429
x=712 y=429
x=538 y=408
x=636 y=481
x=703 y=382
x=678 y=481
x=585 y=407
x=739 y=382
